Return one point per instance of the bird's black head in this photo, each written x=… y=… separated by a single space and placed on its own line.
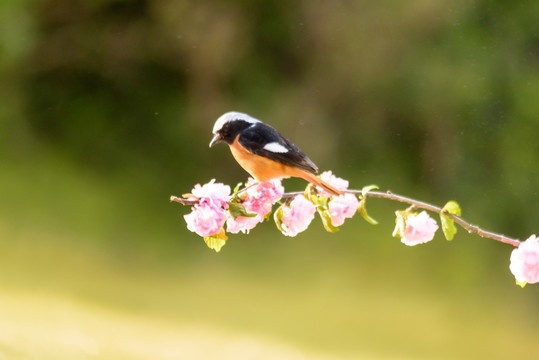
x=229 y=125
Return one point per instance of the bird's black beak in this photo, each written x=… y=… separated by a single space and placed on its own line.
x=215 y=139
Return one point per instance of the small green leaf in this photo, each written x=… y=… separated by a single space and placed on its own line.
x=217 y=241
x=362 y=208
x=452 y=207
x=236 y=209
x=319 y=201
x=400 y=224
x=326 y=221
x=309 y=191
x=521 y=283
x=448 y=224
x=277 y=216
x=214 y=243
x=236 y=189
x=368 y=188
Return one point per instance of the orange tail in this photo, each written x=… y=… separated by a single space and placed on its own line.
x=315 y=180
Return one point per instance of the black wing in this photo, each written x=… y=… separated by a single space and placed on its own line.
x=259 y=135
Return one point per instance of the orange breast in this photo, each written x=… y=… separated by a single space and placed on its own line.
x=264 y=169
x=260 y=167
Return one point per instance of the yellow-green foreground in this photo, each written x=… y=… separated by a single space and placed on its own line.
x=92 y=270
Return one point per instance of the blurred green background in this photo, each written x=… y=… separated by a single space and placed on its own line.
x=107 y=109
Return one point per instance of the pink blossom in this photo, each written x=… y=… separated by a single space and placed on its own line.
x=420 y=228
x=258 y=200
x=262 y=196
x=341 y=207
x=336 y=182
x=242 y=223
x=297 y=217
x=525 y=261
x=205 y=219
x=215 y=193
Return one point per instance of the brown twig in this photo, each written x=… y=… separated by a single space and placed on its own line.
x=183 y=201
x=472 y=229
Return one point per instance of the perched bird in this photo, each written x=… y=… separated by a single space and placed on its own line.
x=263 y=152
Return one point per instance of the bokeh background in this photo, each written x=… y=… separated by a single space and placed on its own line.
x=107 y=108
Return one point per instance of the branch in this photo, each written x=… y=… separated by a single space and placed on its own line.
x=183 y=201
x=472 y=229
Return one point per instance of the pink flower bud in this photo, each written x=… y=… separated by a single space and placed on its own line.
x=205 y=219
x=342 y=207
x=420 y=228
x=297 y=217
x=525 y=261
x=336 y=182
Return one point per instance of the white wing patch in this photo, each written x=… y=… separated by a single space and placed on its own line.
x=230 y=116
x=275 y=147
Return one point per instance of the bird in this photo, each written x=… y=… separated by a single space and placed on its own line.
x=263 y=152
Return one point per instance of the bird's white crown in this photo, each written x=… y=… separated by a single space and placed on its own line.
x=231 y=116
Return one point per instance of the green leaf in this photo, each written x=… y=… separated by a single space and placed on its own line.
x=326 y=221
x=448 y=224
x=363 y=212
x=277 y=216
x=237 y=188
x=216 y=242
x=321 y=203
x=309 y=191
x=318 y=200
x=362 y=208
x=400 y=224
x=452 y=207
x=236 y=209
x=368 y=188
